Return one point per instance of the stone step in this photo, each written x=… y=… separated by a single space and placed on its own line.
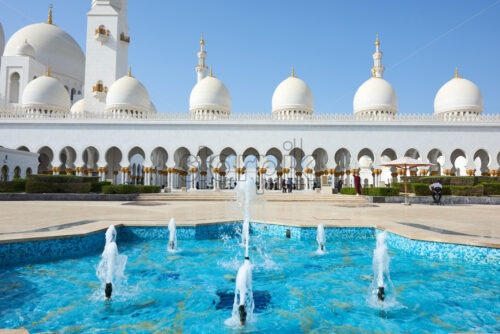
x=272 y=197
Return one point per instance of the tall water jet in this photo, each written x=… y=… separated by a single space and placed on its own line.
x=172 y=238
x=243 y=296
x=245 y=193
x=321 y=239
x=111 y=268
x=381 y=277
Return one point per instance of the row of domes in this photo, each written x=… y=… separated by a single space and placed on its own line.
x=375 y=95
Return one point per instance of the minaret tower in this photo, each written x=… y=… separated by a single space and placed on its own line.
x=107 y=50
x=377 y=69
x=201 y=68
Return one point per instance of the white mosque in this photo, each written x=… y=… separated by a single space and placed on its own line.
x=85 y=113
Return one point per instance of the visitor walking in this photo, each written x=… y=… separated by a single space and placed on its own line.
x=436 y=190
x=289 y=184
x=357 y=184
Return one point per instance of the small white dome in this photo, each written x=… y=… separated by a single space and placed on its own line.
x=128 y=94
x=78 y=107
x=211 y=95
x=365 y=162
x=26 y=49
x=53 y=46
x=375 y=95
x=458 y=95
x=46 y=93
x=294 y=95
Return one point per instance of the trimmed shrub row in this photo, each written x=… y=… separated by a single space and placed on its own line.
x=348 y=191
x=130 y=189
x=380 y=191
x=467 y=191
x=62 y=178
x=97 y=187
x=491 y=188
x=457 y=180
x=401 y=186
x=57 y=187
x=422 y=189
x=371 y=191
x=16 y=186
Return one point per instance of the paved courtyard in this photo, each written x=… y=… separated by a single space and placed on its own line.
x=465 y=224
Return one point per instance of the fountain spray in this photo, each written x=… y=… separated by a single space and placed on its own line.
x=321 y=239
x=243 y=296
x=172 y=239
x=380 y=267
x=110 y=270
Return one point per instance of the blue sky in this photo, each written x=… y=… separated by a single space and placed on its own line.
x=252 y=46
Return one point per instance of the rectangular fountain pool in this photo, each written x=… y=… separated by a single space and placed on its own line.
x=295 y=289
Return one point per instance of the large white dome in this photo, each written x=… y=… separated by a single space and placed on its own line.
x=53 y=47
x=128 y=94
x=46 y=93
x=293 y=95
x=375 y=96
x=210 y=95
x=460 y=96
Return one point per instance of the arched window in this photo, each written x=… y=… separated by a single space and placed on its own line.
x=4 y=176
x=14 y=88
x=28 y=171
x=17 y=172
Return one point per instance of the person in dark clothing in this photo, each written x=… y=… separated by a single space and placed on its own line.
x=283 y=186
x=357 y=184
x=289 y=185
x=339 y=185
x=437 y=191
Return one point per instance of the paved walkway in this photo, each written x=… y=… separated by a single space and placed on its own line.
x=464 y=224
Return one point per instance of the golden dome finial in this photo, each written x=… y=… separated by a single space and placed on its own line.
x=202 y=42
x=456 y=72
x=48 y=72
x=130 y=71
x=211 y=74
x=377 y=42
x=293 y=72
x=49 y=20
x=374 y=73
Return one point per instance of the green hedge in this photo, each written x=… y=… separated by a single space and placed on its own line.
x=348 y=191
x=401 y=186
x=62 y=178
x=467 y=191
x=422 y=189
x=97 y=187
x=458 y=180
x=16 y=186
x=371 y=191
x=57 y=187
x=380 y=191
x=491 y=188
x=130 y=189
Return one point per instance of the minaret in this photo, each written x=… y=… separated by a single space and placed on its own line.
x=107 y=50
x=377 y=69
x=201 y=68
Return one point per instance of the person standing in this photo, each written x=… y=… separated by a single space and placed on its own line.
x=357 y=184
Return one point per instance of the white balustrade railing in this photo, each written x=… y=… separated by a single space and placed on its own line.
x=7 y=113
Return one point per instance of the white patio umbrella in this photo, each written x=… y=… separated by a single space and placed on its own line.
x=405 y=163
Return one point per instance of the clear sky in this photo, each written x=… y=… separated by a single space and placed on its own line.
x=252 y=46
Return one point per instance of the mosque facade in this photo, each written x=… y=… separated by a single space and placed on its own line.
x=86 y=114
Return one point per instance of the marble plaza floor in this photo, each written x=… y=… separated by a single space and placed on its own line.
x=464 y=224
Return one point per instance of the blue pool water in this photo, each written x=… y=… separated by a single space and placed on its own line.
x=295 y=290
